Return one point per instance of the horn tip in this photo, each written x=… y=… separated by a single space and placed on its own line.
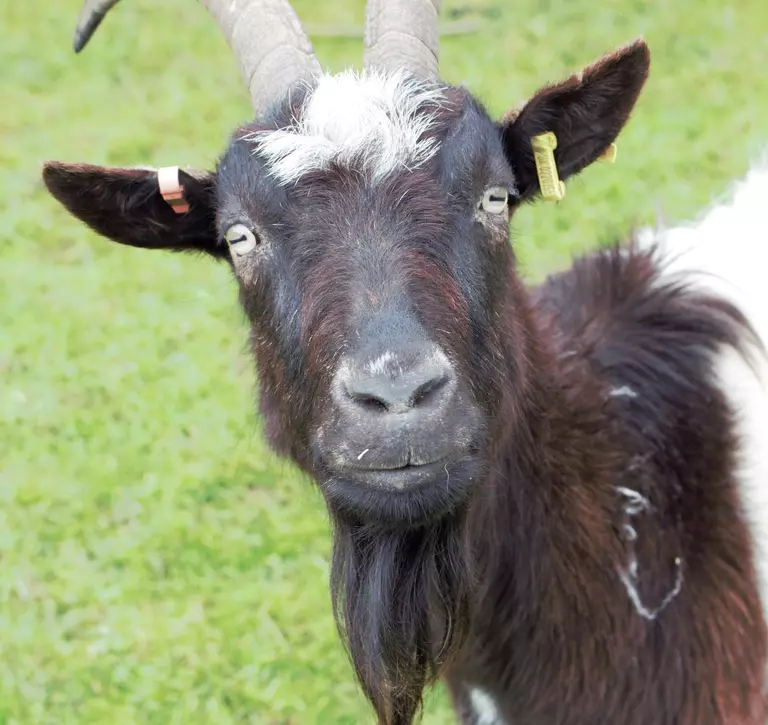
x=86 y=27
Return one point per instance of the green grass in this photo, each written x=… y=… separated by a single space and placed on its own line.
x=157 y=563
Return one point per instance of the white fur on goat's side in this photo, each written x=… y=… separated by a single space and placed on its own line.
x=725 y=252
x=373 y=119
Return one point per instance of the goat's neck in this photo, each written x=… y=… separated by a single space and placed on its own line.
x=547 y=505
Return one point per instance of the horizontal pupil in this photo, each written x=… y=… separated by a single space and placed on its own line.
x=239 y=239
x=494 y=197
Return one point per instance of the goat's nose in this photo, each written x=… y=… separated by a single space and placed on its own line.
x=398 y=384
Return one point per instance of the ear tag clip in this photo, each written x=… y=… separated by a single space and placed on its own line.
x=544 y=145
x=171 y=189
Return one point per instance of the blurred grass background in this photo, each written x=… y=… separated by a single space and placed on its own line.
x=157 y=564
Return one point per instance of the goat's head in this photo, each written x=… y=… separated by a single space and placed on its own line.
x=365 y=218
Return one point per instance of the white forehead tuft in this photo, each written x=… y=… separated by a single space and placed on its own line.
x=375 y=120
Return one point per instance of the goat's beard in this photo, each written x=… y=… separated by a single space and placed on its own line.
x=401 y=604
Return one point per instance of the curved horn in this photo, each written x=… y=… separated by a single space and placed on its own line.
x=270 y=46
x=403 y=34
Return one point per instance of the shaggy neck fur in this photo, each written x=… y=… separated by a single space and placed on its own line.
x=558 y=635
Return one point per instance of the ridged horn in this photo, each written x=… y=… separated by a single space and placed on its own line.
x=271 y=48
x=403 y=34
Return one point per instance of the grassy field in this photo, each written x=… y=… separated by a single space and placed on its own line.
x=157 y=564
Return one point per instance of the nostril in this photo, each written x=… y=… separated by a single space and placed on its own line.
x=369 y=402
x=426 y=392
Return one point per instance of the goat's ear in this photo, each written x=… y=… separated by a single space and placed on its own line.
x=125 y=205
x=585 y=112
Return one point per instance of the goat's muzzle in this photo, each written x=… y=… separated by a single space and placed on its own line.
x=402 y=437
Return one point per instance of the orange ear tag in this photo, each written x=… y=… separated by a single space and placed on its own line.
x=171 y=189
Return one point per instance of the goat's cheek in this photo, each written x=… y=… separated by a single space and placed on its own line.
x=276 y=428
x=441 y=302
x=259 y=293
x=484 y=365
x=289 y=397
x=272 y=390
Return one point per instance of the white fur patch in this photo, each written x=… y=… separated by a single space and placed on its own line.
x=485 y=708
x=623 y=392
x=373 y=119
x=726 y=252
x=379 y=365
x=635 y=504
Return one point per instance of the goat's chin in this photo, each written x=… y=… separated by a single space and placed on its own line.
x=401 y=603
x=408 y=497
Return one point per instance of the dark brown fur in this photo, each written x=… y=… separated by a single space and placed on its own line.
x=555 y=639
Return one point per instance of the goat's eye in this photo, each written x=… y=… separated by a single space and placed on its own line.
x=495 y=200
x=240 y=239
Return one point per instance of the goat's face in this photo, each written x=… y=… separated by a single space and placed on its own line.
x=380 y=258
x=366 y=222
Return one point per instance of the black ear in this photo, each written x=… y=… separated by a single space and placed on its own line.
x=585 y=112
x=125 y=205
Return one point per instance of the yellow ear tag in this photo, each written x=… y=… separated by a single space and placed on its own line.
x=609 y=155
x=544 y=145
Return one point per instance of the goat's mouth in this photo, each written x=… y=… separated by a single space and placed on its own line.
x=399 y=478
x=410 y=494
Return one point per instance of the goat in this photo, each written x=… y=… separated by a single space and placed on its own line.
x=547 y=497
